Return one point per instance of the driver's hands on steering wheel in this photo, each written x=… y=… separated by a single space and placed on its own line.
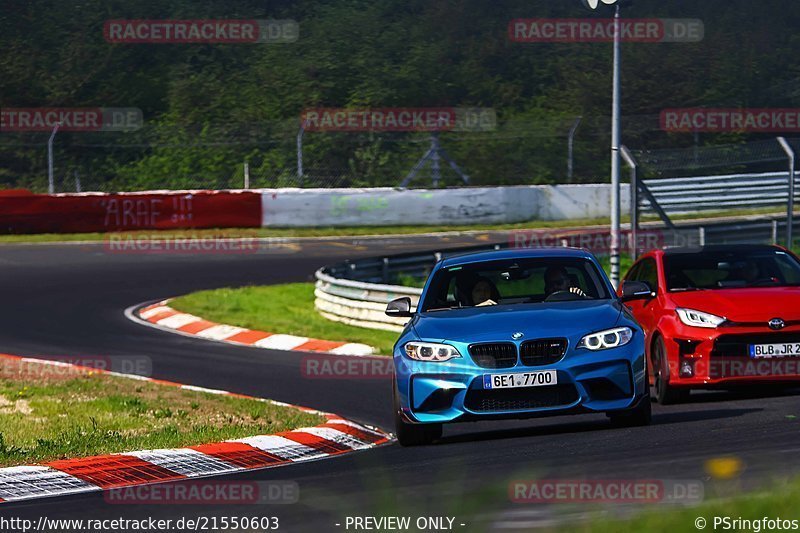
x=578 y=291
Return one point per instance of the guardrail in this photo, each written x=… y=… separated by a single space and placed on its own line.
x=356 y=292
x=683 y=195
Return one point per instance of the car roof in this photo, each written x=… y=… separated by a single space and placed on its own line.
x=722 y=248
x=515 y=253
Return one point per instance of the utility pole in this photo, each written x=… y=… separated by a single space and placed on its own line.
x=615 y=139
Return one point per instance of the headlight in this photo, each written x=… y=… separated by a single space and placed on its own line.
x=430 y=351
x=691 y=317
x=610 y=338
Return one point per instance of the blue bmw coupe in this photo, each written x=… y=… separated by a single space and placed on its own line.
x=516 y=334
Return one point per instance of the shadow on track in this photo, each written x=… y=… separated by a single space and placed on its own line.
x=659 y=418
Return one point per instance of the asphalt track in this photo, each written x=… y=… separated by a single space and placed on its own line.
x=69 y=300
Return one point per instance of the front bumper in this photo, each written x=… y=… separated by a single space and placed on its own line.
x=604 y=381
x=719 y=358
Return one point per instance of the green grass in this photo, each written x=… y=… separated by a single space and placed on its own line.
x=49 y=413
x=780 y=501
x=287 y=308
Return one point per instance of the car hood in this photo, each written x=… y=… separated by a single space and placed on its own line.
x=498 y=323
x=744 y=305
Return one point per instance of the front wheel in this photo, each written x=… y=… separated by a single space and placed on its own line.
x=412 y=434
x=665 y=393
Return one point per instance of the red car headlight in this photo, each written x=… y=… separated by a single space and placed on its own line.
x=699 y=319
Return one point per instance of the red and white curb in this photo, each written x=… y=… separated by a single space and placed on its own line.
x=165 y=317
x=336 y=436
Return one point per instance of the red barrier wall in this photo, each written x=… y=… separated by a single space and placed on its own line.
x=24 y=212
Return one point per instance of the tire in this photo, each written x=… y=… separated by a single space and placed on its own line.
x=665 y=394
x=412 y=434
x=641 y=415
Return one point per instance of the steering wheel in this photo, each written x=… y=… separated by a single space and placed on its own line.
x=563 y=296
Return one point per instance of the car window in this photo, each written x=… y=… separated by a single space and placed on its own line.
x=648 y=272
x=515 y=282
x=731 y=269
x=633 y=272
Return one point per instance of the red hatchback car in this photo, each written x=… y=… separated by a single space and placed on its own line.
x=717 y=316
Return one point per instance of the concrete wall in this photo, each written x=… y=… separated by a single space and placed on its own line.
x=478 y=205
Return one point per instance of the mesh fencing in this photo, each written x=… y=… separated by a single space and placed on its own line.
x=536 y=150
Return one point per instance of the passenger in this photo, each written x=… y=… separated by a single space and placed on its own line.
x=484 y=293
x=474 y=290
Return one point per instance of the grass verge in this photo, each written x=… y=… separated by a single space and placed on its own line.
x=49 y=413
x=287 y=308
x=780 y=501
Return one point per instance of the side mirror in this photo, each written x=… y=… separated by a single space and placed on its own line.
x=636 y=290
x=401 y=307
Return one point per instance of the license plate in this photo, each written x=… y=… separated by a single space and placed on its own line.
x=766 y=351
x=520 y=379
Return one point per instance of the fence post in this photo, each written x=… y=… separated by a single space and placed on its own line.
x=790 y=202
x=774 y=231
x=246 y=175
x=570 y=145
x=51 y=186
x=634 y=235
x=300 y=153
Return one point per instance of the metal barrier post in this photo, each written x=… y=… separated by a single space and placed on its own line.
x=51 y=187
x=631 y=162
x=300 y=153
x=790 y=201
x=570 y=146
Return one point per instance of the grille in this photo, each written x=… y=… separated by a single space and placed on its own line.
x=482 y=400
x=494 y=355
x=542 y=351
x=737 y=345
x=730 y=356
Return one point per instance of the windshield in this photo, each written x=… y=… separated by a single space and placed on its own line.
x=511 y=282
x=730 y=269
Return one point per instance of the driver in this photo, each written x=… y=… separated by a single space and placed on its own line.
x=556 y=279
